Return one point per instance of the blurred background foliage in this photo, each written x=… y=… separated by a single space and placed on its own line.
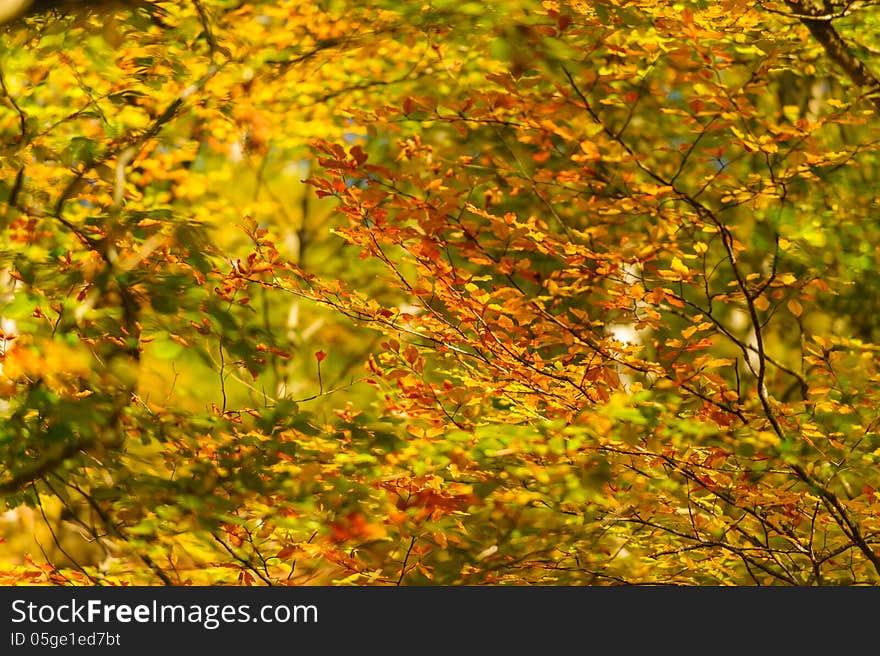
x=206 y=370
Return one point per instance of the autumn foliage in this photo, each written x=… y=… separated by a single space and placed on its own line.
x=440 y=293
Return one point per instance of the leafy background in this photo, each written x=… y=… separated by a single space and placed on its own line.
x=439 y=293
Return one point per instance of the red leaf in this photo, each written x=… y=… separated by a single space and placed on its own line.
x=358 y=154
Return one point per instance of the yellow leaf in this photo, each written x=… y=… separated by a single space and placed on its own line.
x=795 y=307
x=768 y=438
x=762 y=303
x=679 y=267
x=590 y=150
x=718 y=362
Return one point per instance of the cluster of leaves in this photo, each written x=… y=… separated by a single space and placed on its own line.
x=528 y=292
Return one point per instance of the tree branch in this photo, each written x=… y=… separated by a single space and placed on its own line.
x=836 y=48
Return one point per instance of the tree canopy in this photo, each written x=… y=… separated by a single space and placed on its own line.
x=516 y=292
